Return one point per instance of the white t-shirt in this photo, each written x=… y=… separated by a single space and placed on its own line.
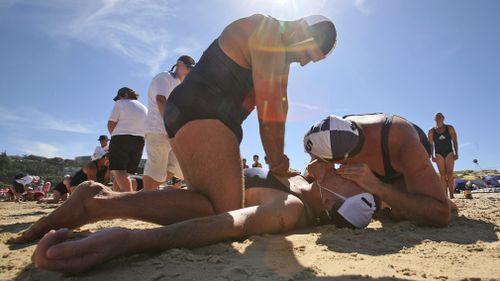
x=99 y=151
x=130 y=116
x=161 y=85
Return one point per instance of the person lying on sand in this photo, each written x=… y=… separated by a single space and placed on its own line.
x=273 y=204
x=387 y=156
x=60 y=192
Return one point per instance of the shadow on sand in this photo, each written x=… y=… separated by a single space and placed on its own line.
x=393 y=237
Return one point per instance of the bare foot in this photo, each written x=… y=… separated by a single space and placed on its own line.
x=75 y=212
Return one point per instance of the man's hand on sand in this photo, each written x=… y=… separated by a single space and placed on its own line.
x=72 y=257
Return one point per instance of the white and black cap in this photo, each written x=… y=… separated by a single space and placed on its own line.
x=333 y=138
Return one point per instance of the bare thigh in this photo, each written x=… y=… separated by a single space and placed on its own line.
x=449 y=163
x=441 y=163
x=209 y=156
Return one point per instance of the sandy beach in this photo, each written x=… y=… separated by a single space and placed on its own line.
x=469 y=249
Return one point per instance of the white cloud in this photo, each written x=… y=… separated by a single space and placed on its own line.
x=362 y=6
x=135 y=29
x=34 y=119
x=464 y=144
x=306 y=106
x=39 y=148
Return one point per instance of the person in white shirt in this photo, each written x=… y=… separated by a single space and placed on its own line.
x=162 y=163
x=126 y=126
x=101 y=149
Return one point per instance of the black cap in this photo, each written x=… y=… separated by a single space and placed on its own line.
x=187 y=60
x=125 y=92
x=102 y=137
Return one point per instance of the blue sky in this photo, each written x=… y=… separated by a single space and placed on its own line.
x=63 y=61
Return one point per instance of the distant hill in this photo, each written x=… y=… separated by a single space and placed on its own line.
x=49 y=169
x=476 y=173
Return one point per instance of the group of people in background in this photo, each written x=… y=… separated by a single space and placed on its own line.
x=255 y=164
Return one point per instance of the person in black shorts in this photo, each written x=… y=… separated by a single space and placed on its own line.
x=246 y=67
x=443 y=139
x=126 y=126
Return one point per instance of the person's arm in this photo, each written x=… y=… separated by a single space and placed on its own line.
x=114 y=117
x=430 y=137
x=111 y=126
x=270 y=77
x=161 y=101
x=454 y=138
x=72 y=257
x=423 y=199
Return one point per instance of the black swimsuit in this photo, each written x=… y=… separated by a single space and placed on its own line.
x=442 y=142
x=214 y=89
x=258 y=177
x=61 y=188
x=80 y=176
x=390 y=173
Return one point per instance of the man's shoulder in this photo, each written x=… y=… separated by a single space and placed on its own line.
x=403 y=134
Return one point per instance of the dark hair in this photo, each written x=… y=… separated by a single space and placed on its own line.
x=187 y=60
x=126 y=93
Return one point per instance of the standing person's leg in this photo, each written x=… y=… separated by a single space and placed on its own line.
x=119 y=148
x=440 y=161
x=174 y=171
x=209 y=156
x=157 y=148
x=450 y=164
x=122 y=181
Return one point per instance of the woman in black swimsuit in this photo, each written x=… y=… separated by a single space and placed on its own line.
x=443 y=139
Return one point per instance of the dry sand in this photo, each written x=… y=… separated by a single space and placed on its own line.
x=469 y=249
